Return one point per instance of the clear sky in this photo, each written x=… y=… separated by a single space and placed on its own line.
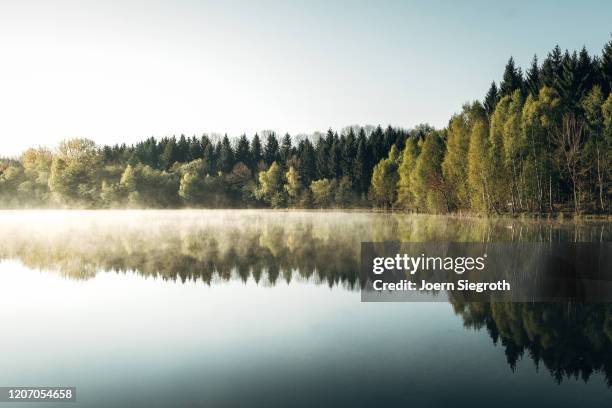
x=121 y=71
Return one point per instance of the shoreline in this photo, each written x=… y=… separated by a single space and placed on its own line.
x=561 y=216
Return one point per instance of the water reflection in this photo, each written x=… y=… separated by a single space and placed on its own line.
x=569 y=340
x=202 y=245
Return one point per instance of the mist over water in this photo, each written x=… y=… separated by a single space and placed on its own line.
x=200 y=308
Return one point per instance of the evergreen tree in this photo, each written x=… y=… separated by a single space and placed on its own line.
x=208 y=159
x=322 y=158
x=491 y=99
x=335 y=158
x=533 y=82
x=585 y=72
x=182 y=150
x=256 y=152
x=307 y=168
x=169 y=155
x=196 y=149
x=568 y=83
x=551 y=68
x=512 y=79
x=605 y=65
x=271 y=149
x=349 y=150
x=360 y=165
x=226 y=156
x=286 y=150
x=243 y=153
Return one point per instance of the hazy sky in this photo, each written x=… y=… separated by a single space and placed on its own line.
x=122 y=71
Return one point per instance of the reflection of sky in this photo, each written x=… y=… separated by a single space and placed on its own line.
x=124 y=339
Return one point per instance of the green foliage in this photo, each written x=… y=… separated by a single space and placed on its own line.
x=426 y=182
x=478 y=171
x=383 y=189
x=322 y=192
x=293 y=186
x=270 y=188
x=538 y=144
x=344 y=193
x=405 y=196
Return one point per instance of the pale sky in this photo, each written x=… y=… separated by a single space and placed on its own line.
x=121 y=71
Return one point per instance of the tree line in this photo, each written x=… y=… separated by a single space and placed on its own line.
x=539 y=142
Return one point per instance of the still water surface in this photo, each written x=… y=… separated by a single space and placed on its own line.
x=261 y=308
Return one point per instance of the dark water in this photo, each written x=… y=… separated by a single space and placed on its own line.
x=249 y=308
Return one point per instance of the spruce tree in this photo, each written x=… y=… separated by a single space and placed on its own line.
x=360 y=176
x=335 y=158
x=243 y=153
x=512 y=79
x=271 y=149
x=256 y=152
x=286 y=150
x=491 y=99
x=532 y=80
x=307 y=168
x=322 y=158
x=605 y=65
x=226 y=156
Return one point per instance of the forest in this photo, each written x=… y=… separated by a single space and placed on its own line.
x=540 y=142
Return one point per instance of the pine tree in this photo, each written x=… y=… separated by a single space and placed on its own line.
x=256 y=152
x=271 y=149
x=551 y=71
x=360 y=165
x=307 y=168
x=208 y=159
x=226 y=156
x=585 y=72
x=322 y=158
x=168 y=157
x=182 y=150
x=533 y=82
x=605 y=64
x=286 y=150
x=512 y=79
x=349 y=150
x=335 y=160
x=491 y=99
x=243 y=153
x=568 y=83
x=195 y=149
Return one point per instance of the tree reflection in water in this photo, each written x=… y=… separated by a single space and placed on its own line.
x=570 y=340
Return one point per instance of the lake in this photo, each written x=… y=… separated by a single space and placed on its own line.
x=208 y=308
